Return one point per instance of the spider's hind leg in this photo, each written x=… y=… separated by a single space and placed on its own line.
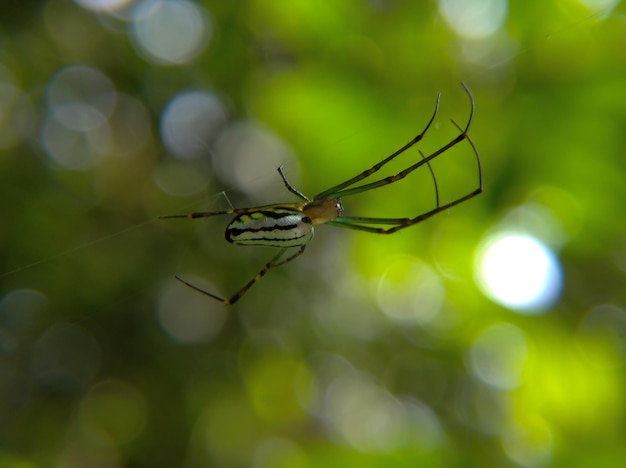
x=274 y=262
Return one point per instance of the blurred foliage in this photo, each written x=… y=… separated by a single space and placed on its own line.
x=368 y=350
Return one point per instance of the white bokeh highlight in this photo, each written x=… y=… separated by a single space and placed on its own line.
x=519 y=272
x=170 y=31
x=246 y=156
x=189 y=122
x=474 y=19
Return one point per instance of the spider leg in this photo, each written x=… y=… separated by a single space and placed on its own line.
x=206 y=214
x=274 y=262
x=401 y=175
x=232 y=211
x=336 y=191
x=290 y=187
x=360 y=223
x=432 y=173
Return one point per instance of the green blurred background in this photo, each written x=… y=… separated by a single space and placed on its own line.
x=430 y=347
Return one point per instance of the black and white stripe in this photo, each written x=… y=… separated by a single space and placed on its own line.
x=273 y=228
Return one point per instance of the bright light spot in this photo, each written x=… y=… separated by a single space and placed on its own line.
x=410 y=291
x=497 y=356
x=187 y=316
x=245 y=151
x=474 y=19
x=519 y=272
x=171 y=31
x=190 y=121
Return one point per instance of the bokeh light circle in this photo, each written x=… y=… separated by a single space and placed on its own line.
x=190 y=121
x=410 y=291
x=76 y=132
x=518 y=272
x=497 y=356
x=244 y=151
x=170 y=31
x=474 y=18
x=81 y=97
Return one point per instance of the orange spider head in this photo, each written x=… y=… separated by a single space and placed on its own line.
x=323 y=211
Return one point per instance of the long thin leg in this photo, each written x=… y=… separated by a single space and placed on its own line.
x=206 y=214
x=333 y=191
x=432 y=173
x=360 y=222
x=273 y=263
x=350 y=222
x=401 y=175
x=290 y=187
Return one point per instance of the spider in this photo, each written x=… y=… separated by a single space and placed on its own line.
x=289 y=226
